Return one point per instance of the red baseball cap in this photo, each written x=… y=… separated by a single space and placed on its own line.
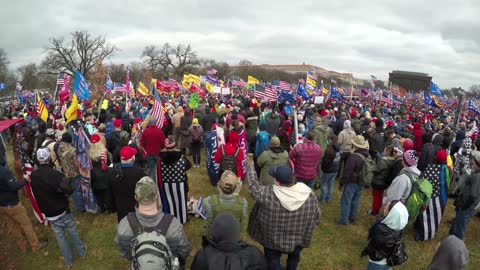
x=95 y=138
x=117 y=123
x=127 y=152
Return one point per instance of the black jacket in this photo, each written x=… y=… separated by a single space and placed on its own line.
x=207 y=121
x=427 y=156
x=51 y=189
x=381 y=241
x=328 y=164
x=122 y=186
x=239 y=256
x=9 y=187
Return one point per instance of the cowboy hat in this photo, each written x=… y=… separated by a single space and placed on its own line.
x=360 y=142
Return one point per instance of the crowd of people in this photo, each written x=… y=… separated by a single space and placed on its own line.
x=119 y=159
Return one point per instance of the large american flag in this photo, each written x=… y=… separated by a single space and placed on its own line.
x=265 y=92
x=60 y=79
x=157 y=112
x=283 y=86
x=387 y=98
x=239 y=83
x=211 y=71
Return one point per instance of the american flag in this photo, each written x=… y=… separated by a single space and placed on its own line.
x=211 y=71
x=120 y=87
x=127 y=82
x=108 y=84
x=333 y=81
x=239 y=83
x=283 y=85
x=387 y=98
x=265 y=92
x=157 y=112
x=60 y=78
x=301 y=81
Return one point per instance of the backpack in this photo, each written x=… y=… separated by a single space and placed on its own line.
x=150 y=249
x=322 y=137
x=235 y=209
x=399 y=255
x=366 y=174
x=419 y=197
x=196 y=134
x=228 y=162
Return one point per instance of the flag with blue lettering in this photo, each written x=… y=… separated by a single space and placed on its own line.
x=429 y=101
x=285 y=96
x=301 y=91
x=80 y=86
x=334 y=93
x=473 y=108
x=435 y=90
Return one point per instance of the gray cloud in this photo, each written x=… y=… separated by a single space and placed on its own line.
x=362 y=37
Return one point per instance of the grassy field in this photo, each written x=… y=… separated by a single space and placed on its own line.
x=333 y=246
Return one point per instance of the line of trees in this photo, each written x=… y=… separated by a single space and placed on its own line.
x=89 y=54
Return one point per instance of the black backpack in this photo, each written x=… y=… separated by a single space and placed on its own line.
x=228 y=162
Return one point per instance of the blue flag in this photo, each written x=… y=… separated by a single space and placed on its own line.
x=155 y=93
x=80 y=86
x=435 y=90
x=2 y=86
x=286 y=96
x=212 y=79
x=473 y=108
x=21 y=99
x=429 y=101
x=301 y=91
x=334 y=93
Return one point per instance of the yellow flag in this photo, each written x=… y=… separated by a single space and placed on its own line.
x=195 y=79
x=42 y=110
x=186 y=81
x=325 y=91
x=71 y=113
x=311 y=81
x=252 y=80
x=142 y=89
x=209 y=87
x=104 y=104
x=132 y=93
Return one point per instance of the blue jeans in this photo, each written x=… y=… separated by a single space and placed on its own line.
x=152 y=166
x=309 y=183
x=77 y=194
x=66 y=223
x=273 y=258
x=350 y=202
x=327 y=181
x=459 y=225
x=374 y=266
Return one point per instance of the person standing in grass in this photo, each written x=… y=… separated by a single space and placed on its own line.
x=283 y=217
x=51 y=189
x=451 y=254
x=275 y=156
x=330 y=166
x=306 y=159
x=383 y=235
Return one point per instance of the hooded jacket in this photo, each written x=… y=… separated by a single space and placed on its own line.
x=269 y=158
x=353 y=166
x=345 y=139
x=401 y=185
x=224 y=250
x=384 y=233
x=251 y=126
x=452 y=254
x=429 y=150
x=273 y=123
x=230 y=148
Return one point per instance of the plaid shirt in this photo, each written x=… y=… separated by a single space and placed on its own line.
x=274 y=226
x=306 y=158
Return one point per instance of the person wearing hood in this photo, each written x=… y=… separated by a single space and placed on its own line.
x=273 y=121
x=283 y=217
x=224 y=250
x=185 y=137
x=285 y=135
x=262 y=139
x=230 y=148
x=330 y=165
x=365 y=126
x=174 y=179
x=207 y=120
x=345 y=138
x=429 y=150
x=323 y=132
x=251 y=127
x=384 y=234
x=274 y=156
x=401 y=186
x=350 y=182
x=451 y=254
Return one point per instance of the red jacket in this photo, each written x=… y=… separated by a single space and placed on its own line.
x=153 y=140
x=417 y=134
x=230 y=148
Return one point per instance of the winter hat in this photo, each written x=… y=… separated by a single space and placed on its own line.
x=117 y=123
x=262 y=126
x=195 y=121
x=138 y=120
x=283 y=174
x=95 y=138
x=441 y=156
x=410 y=158
x=66 y=137
x=407 y=145
x=347 y=124
x=50 y=132
x=274 y=142
x=225 y=230
x=170 y=142
x=145 y=191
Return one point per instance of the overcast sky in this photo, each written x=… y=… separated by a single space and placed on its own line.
x=439 y=37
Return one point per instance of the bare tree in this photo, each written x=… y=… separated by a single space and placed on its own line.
x=3 y=60
x=170 y=60
x=82 y=52
x=29 y=75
